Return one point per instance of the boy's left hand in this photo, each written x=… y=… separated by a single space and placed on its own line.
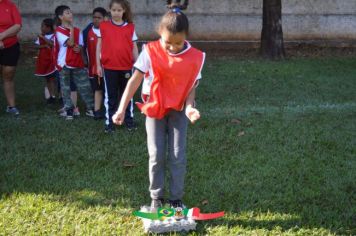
x=192 y=113
x=76 y=48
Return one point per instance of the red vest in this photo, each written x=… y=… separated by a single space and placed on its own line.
x=72 y=59
x=173 y=78
x=116 y=46
x=92 y=41
x=45 y=64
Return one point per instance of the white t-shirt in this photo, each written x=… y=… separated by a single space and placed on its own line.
x=47 y=36
x=62 y=42
x=96 y=31
x=143 y=64
x=134 y=36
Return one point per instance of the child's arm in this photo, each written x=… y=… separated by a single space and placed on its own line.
x=48 y=41
x=70 y=41
x=85 y=48
x=132 y=86
x=192 y=113
x=37 y=43
x=135 y=51
x=84 y=56
x=99 y=70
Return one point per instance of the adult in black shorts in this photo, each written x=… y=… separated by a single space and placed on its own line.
x=10 y=26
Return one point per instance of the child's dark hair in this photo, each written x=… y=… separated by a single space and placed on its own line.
x=59 y=12
x=49 y=23
x=126 y=6
x=100 y=10
x=175 y=21
x=171 y=4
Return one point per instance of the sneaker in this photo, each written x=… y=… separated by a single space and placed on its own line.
x=156 y=203
x=76 y=111
x=98 y=115
x=13 y=111
x=130 y=126
x=176 y=204
x=62 y=112
x=69 y=114
x=51 y=100
x=109 y=128
x=89 y=113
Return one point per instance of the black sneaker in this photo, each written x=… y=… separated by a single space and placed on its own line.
x=156 y=203
x=98 y=115
x=109 y=128
x=13 y=111
x=130 y=126
x=176 y=204
x=51 y=100
x=69 y=115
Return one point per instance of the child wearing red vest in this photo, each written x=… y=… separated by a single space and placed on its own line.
x=174 y=68
x=116 y=53
x=90 y=35
x=45 y=65
x=70 y=63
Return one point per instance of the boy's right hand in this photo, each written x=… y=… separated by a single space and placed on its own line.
x=99 y=70
x=118 y=118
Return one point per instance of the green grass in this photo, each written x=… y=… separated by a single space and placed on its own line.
x=289 y=167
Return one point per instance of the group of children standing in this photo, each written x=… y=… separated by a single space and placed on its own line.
x=170 y=69
x=97 y=62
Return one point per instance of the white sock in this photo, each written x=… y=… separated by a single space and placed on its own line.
x=46 y=93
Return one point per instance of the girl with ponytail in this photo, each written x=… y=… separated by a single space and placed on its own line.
x=175 y=68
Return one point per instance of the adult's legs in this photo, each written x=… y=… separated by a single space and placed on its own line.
x=8 y=74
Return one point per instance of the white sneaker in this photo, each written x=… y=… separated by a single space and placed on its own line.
x=63 y=113
x=89 y=113
x=60 y=111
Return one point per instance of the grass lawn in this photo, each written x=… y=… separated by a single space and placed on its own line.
x=275 y=149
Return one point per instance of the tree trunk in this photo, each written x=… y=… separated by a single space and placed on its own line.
x=272 y=45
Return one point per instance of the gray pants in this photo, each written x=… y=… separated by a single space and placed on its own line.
x=80 y=78
x=171 y=130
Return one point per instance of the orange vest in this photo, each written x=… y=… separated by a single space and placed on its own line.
x=173 y=78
